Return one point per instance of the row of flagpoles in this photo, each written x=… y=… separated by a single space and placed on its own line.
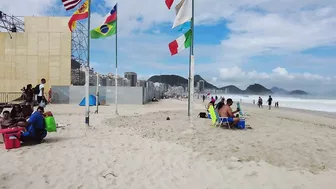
x=185 y=15
x=106 y=29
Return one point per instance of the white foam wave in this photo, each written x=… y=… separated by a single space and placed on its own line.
x=326 y=105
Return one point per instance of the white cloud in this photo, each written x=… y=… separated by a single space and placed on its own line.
x=278 y=77
x=26 y=7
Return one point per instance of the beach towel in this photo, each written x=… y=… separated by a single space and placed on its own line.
x=212 y=115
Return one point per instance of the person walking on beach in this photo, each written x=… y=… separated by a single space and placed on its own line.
x=39 y=90
x=269 y=102
x=260 y=102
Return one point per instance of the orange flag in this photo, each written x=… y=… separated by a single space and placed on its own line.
x=80 y=14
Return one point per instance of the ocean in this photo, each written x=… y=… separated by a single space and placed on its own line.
x=305 y=103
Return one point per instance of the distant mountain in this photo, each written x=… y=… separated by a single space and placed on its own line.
x=298 y=92
x=277 y=90
x=257 y=89
x=175 y=80
x=231 y=89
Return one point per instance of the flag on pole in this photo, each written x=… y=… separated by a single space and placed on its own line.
x=79 y=14
x=169 y=3
x=183 y=12
x=180 y=43
x=108 y=27
x=104 y=30
x=111 y=16
x=70 y=4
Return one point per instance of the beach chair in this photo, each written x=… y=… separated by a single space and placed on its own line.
x=216 y=120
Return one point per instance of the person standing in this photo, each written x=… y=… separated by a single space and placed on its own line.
x=40 y=95
x=49 y=96
x=269 y=102
x=260 y=102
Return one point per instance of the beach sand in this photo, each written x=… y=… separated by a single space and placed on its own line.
x=286 y=148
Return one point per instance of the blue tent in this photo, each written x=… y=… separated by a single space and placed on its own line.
x=92 y=101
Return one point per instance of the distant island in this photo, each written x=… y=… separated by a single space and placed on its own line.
x=257 y=89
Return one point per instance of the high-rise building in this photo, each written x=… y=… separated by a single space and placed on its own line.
x=201 y=86
x=132 y=77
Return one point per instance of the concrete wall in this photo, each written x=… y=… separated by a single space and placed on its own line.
x=42 y=51
x=126 y=95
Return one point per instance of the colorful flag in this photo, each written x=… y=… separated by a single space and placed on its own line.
x=70 y=4
x=180 y=43
x=108 y=27
x=183 y=12
x=111 y=16
x=104 y=30
x=169 y=3
x=80 y=14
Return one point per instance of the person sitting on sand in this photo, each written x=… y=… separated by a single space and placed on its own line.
x=6 y=121
x=35 y=130
x=17 y=113
x=227 y=112
x=211 y=103
x=1 y=109
x=220 y=104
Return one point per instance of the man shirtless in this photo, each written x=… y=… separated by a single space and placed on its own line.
x=6 y=121
x=226 y=111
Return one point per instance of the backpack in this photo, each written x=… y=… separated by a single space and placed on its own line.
x=202 y=115
x=37 y=89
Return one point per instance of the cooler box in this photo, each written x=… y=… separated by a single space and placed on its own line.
x=241 y=124
x=11 y=137
x=12 y=140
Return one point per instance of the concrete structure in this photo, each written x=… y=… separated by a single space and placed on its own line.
x=132 y=77
x=42 y=51
x=126 y=95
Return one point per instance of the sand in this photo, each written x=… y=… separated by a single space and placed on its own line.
x=286 y=148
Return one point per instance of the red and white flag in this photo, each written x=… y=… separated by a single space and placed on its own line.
x=70 y=4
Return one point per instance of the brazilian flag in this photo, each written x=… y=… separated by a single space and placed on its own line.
x=104 y=30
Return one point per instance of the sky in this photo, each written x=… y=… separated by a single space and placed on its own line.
x=284 y=43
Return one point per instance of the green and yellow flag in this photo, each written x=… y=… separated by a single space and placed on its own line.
x=104 y=30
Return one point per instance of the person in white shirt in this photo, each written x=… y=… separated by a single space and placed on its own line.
x=40 y=96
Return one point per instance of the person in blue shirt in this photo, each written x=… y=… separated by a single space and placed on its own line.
x=35 y=130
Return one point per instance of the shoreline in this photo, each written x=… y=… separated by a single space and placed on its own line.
x=314 y=112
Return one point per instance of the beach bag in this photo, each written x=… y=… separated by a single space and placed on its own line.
x=50 y=124
x=42 y=104
x=202 y=115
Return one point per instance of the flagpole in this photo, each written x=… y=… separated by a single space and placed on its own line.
x=87 y=77
x=97 y=93
x=116 y=65
x=191 y=65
